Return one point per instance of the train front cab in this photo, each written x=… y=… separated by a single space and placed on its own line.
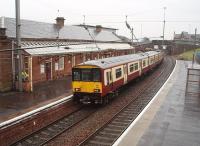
x=86 y=84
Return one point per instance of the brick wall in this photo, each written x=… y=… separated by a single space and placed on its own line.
x=5 y=66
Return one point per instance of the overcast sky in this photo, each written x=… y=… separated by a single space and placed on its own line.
x=145 y=16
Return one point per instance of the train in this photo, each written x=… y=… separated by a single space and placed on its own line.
x=97 y=81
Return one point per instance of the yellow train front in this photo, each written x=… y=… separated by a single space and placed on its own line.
x=86 y=84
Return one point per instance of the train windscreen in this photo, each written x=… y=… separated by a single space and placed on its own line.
x=85 y=74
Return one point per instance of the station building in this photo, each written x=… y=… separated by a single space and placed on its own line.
x=50 y=50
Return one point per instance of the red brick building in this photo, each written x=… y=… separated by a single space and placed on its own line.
x=51 y=50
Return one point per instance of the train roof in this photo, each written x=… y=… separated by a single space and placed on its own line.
x=117 y=60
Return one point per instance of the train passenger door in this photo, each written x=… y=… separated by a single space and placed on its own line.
x=108 y=78
x=140 y=67
x=125 y=74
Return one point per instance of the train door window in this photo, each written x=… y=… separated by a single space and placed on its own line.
x=143 y=63
x=96 y=75
x=76 y=75
x=110 y=76
x=107 y=78
x=118 y=72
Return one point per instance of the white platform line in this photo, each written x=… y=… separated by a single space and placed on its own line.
x=144 y=110
x=33 y=112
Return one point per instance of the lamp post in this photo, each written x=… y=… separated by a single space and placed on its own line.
x=131 y=30
x=164 y=27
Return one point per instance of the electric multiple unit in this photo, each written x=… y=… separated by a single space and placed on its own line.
x=97 y=81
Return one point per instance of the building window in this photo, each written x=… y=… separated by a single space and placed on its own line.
x=56 y=66
x=118 y=72
x=42 y=68
x=61 y=63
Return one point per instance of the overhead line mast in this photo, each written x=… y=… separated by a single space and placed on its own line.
x=18 y=39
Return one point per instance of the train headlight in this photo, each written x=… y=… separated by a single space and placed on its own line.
x=77 y=89
x=97 y=90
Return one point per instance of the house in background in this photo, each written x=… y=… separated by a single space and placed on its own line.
x=185 y=36
x=51 y=50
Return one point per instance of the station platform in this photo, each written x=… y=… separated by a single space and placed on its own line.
x=172 y=118
x=13 y=104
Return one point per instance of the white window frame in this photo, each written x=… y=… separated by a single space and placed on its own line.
x=114 y=73
x=61 y=63
x=134 y=68
x=56 y=66
x=42 y=68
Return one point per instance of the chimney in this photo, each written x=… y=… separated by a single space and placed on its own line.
x=60 y=21
x=98 y=28
x=2 y=28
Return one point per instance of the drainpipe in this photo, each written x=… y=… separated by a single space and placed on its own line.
x=31 y=72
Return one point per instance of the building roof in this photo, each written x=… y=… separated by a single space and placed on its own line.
x=76 y=48
x=109 y=28
x=114 y=61
x=42 y=30
x=186 y=36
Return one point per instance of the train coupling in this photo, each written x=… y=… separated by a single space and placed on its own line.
x=85 y=100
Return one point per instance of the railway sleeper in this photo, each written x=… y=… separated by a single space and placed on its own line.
x=116 y=127
x=102 y=138
x=111 y=130
x=123 y=120
x=105 y=134
x=120 y=123
x=98 y=143
x=122 y=117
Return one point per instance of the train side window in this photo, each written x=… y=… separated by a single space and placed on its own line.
x=136 y=66
x=118 y=72
x=76 y=75
x=131 y=68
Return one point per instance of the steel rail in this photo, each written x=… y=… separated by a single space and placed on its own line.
x=139 y=93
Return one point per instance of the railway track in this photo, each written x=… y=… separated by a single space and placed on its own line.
x=53 y=130
x=113 y=128
x=110 y=132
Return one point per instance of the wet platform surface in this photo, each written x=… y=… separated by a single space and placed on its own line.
x=173 y=119
x=13 y=104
